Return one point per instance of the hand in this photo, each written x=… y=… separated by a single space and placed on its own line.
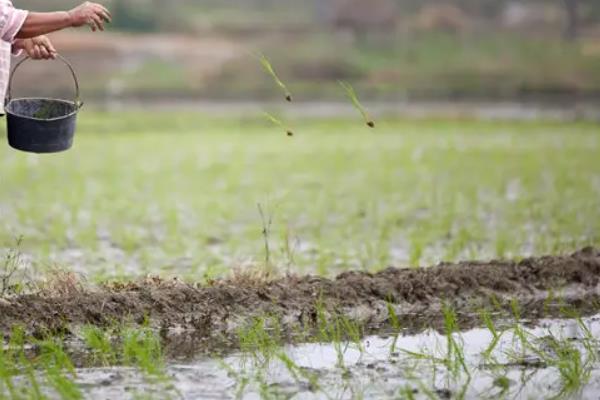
x=37 y=48
x=92 y=14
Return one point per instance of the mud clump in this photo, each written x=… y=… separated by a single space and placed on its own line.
x=416 y=295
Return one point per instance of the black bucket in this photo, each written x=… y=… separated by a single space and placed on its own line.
x=39 y=125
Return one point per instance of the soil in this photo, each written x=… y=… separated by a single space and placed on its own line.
x=542 y=286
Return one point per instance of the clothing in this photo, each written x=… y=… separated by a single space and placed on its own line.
x=11 y=22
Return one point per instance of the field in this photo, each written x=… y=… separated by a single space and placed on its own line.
x=240 y=213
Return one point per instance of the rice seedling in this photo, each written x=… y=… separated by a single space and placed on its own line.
x=395 y=323
x=486 y=318
x=407 y=393
x=589 y=341
x=417 y=247
x=260 y=340
x=574 y=371
x=9 y=267
x=549 y=302
x=289 y=248
x=502 y=244
x=299 y=373
x=268 y=67
x=58 y=368
x=455 y=357
x=14 y=362
x=141 y=348
x=242 y=381
x=423 y=388
x=338 y=329
x=520 y=335
x=265 y=390
x=267 y=223
x=277 y=122
x=323 y=333
x=353 y=97
x=99 y=343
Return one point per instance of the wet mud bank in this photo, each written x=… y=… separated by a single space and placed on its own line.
x=540 y=286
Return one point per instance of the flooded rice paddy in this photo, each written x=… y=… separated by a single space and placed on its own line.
x=146 y=268
x=378 y=367
x=468 y=330
x=132 y=200
x=528 y=360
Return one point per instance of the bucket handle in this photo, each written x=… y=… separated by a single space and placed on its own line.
x=77 y=101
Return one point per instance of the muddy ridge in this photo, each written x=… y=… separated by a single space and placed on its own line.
x=540 y=285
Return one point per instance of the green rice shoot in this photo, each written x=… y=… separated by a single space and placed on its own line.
x=351 y=94
x=277 y=122
x=268 y=67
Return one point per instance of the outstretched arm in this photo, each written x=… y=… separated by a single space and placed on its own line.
x=92 y=14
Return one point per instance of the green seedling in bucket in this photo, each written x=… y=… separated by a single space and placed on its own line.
x=46 y=111
x=268 y=67
x=280 y=124
x=351 y=94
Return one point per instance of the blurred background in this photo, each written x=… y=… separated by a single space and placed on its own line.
x=165 y=51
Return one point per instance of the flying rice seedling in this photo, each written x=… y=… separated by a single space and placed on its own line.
x=277 y=122
x=353 y=97
x=268 y=67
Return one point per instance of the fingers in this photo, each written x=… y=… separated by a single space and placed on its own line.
x=106 y=17
x=37 y=53
x=30 y=53
x=44 y=53
x=96 y=22
x=40 y=48
x=48 y=47
x=40 y=52
x=104 y=13
x=93 y=14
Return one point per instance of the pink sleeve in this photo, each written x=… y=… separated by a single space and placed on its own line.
x=11 y=21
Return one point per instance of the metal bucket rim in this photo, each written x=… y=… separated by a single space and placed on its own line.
x=74 y=104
